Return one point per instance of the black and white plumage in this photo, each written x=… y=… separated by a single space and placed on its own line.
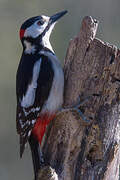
x=39 y=80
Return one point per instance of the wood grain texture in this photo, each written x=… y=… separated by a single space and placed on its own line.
x=77 y=150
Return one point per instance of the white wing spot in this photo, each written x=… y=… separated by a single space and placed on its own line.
x=21 y=123
x=19 y=114
x=33 y=121
x=37 y=108
x=29 y=133
x=29 y=122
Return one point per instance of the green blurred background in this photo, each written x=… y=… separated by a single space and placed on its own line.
x=12 y=15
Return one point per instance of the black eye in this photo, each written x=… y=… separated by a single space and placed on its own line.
x=40 y=22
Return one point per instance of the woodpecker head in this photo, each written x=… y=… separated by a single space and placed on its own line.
x=37 y=30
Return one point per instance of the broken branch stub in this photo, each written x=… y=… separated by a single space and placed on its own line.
x=75 y=68
x=79 y=150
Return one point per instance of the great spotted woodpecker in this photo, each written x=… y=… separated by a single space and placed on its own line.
x=39 y=83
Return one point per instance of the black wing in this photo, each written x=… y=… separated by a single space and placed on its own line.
x=26 y=116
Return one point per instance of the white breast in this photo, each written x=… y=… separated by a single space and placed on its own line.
x=55 y=99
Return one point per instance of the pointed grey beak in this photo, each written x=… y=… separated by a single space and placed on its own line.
x=57 y=16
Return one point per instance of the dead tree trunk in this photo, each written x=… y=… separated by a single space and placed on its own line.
x=75 y=150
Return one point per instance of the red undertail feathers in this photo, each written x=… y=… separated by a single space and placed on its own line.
x=41 y=125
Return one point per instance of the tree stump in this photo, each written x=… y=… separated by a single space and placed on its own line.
x=74 y=149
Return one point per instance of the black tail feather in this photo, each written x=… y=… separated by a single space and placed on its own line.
x=37 y=156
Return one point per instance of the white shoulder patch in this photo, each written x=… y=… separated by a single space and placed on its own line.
x=28 y=99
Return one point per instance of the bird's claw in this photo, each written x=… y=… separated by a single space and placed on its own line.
x=76 y=108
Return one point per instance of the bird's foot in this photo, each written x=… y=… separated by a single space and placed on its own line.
x=76 y=109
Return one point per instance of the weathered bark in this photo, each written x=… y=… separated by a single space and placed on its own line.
x=75 y=149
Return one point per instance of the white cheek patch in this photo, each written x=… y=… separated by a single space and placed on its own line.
x=28 y=99
x=35 y=30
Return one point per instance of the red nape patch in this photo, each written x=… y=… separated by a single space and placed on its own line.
x=22 y=31
x=40 y=126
